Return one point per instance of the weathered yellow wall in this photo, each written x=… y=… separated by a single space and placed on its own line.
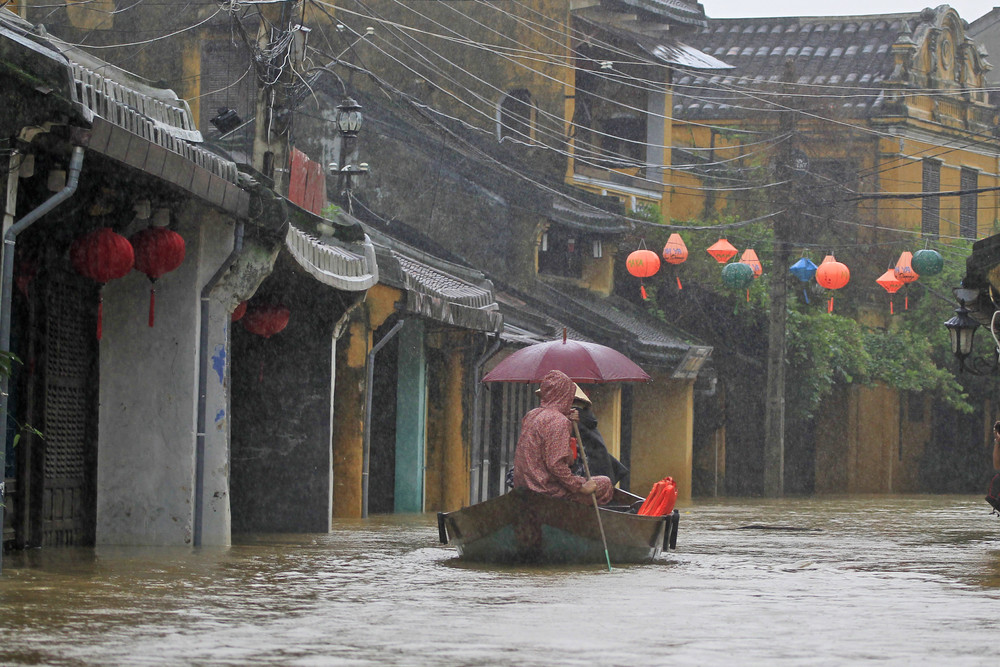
x=91 y=14
x=348 y=415
x=447 y=455
x=598 y=274
x=915 y=432
x=858 y=444
x=662 y=434
x=606 y=404
x=455 y=482
x=349 y=399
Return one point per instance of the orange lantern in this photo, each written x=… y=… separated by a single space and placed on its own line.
x=904 y=269
x=722 y=250
x=831 y=274
x=675 y=252
x=642 y=263
x=891 y=284
x=905 y=274
x=749 y=257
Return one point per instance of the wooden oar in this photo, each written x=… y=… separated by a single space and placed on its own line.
x=593 y=496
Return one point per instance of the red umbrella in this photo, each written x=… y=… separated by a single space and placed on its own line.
x=582 y=362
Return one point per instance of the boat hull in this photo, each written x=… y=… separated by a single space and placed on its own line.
x=528 y=527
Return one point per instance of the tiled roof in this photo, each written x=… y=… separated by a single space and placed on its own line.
x=687 y=12
x=843 y=51
x=435 y=288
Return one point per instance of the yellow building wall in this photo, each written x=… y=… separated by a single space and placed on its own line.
x=606 y=400
x=858 y=444
x=662 y=435
x=349 y=399
x=447 y=455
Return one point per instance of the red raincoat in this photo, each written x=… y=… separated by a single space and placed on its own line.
x=543 y=456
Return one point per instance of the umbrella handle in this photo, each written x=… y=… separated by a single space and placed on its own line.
x=593 y=496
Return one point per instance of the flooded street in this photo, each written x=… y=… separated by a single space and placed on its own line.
x=891 y=580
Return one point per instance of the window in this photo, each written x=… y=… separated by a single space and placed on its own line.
x=609 y=119
x=624 y=140
x=515 y=116
x=969 y=208
x=561 y=252
x=930 y=219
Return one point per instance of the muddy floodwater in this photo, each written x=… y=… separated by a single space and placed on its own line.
x=886 y=580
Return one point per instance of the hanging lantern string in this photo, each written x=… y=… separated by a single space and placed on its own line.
x=152 y=302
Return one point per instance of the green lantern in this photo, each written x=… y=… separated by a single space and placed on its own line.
x=927 y=262
x=737 y=275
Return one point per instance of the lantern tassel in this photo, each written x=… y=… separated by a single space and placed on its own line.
x=890 y=307
x=642 y=290
x=806 y=295
x=748 y=295
x=829 y=305
x=679 y=286
x=152 y=304
x=906 y=302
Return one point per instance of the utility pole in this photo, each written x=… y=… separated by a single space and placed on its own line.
x=273 y=118
x=774 y=421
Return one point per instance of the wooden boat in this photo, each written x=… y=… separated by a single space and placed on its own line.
x=524 y=526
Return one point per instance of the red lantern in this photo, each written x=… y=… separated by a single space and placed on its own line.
x=749 y=257
x=905 y=274
x=722 y=250
x=266 y=319
x=102 y=255
x=891 y=284
x=158 y=250
x=239 y=312
x=642 y=264
x=675 y=252
x=831 y=274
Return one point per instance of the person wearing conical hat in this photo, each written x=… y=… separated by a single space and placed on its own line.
x=599 y=459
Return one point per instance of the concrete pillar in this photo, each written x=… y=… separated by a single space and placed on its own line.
x=456 y=452
x=349 y=419
x=148 y=398
x=215 y=511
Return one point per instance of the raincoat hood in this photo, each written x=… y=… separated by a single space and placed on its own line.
x=557 y=391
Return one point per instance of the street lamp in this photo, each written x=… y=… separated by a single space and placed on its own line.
x=349 y=117
x=349 y=121
x=962 y=329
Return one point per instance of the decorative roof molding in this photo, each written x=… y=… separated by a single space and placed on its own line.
x=350 y=268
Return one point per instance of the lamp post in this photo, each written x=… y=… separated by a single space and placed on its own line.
x=349 y=121
x=962 y=329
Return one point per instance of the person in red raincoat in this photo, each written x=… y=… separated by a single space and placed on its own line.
x=543 y=456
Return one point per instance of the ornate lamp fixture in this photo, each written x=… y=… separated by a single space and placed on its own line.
x=962 y=329
x=349 y=121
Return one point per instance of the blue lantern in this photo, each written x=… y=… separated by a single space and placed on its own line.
x=804 y=270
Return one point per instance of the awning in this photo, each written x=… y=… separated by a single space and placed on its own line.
x=147 y=128
x=443 y=291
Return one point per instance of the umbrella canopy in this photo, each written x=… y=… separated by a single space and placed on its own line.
x=582 y=362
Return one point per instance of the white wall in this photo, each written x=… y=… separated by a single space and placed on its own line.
x=148 y=399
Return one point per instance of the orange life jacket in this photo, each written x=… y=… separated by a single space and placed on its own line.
x=661 y=498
